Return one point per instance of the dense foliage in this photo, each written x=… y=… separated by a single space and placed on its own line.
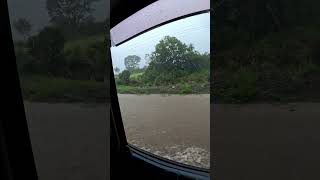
x=70 y=12
x=66 y=60
x=23 y=27
x=173 y=67
x=266 y=50
x=132 y=62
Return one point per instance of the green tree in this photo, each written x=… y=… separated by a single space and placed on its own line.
x=116 y=70
x=132 y=62
x=97 y=55
x=46 y=48
x=125 y=77
x=25 y=62
x=23 y=27
x=170 y=58
x=78 y=64
x=70 y=12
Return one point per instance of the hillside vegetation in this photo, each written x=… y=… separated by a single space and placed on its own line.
x=266 y=51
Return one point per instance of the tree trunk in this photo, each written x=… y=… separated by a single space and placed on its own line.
x=275 y=19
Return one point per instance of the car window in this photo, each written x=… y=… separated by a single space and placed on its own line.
x=162 y=81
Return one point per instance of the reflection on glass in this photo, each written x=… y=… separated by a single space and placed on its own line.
x=266 y=89
x=61 y=56
x=162 y=79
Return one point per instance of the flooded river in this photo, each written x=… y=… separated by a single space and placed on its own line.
x=69 y=140
x=173 y=126
x=269 y=140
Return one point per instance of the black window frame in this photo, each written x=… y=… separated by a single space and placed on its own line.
x=155 y=160
x=16 y=156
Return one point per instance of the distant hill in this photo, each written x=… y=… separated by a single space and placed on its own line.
x=36 y=12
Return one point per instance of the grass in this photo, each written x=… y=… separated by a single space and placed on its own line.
x=195 y=83
x=199 y=77
x=123 y=89
x=135 y=76
x=83 y=43
x=39 y=88
x=183 y=88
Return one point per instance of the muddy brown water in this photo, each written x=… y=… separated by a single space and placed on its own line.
x=173 y=126
x=255 y=141
x=266 y=141
x=69 y=141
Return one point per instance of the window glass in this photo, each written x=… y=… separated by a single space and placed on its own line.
x=162 y=79
x=62 y=63
x=266 y=89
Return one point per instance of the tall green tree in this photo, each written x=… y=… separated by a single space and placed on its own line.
x=23 y=27
x=46 y=48
x=116 y=70
x=173 y=59
x=98 y=58
x=125 y=77
x=171 y=56
x=253 y=19
x=70 y=12
x=132 y=62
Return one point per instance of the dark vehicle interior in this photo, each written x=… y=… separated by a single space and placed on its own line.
x=17 y=161
x=16 y=156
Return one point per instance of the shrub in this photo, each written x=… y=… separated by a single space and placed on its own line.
x=124 y=77
x=77 y=63
x=25 y=62
x=87 y=58
x=242 y=87
x=185 y=88
x=47 y=48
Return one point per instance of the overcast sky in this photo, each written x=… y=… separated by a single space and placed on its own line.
x=36 y=12
x=194 y=29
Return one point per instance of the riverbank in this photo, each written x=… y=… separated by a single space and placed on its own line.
x=185 y=88
x=46 y=89
x=59 y=90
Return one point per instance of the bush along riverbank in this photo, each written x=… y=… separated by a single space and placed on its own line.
x=45 y=89
x=173 y=89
